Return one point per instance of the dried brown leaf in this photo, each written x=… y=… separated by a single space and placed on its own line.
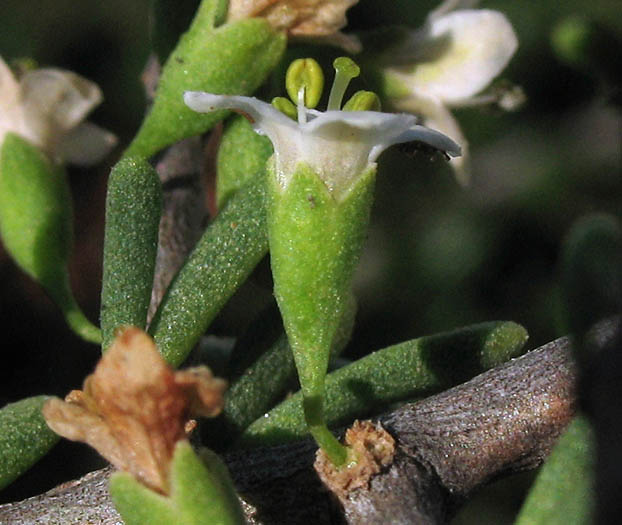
x=319 y=20
x=373 y=449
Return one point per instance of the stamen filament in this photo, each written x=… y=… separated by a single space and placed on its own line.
x=302 y=110
x=345 y=70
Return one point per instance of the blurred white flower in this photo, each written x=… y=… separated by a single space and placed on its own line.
x=445 y=64
x=47 y=107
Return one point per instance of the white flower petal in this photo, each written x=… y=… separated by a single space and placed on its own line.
x=459 y=54
x=437 y=117
x=85 y=145
x=337 y=145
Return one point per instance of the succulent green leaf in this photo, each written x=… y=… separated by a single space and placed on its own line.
x=133 y=209
x=201 y=493
x=242 y=155
x=234 y=58
x=224 y=257
x=563 y=493
x=401 y=372
x=24 y=437
x=36 y=224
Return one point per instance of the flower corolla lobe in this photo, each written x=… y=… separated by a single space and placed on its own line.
x=337 y=145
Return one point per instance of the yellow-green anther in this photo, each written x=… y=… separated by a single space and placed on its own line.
x=285 y=106
x=305 y=74
x=363 y=101
x=345 y=70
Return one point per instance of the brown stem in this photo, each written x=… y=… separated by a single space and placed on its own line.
x=503 y=421
x=183 y=212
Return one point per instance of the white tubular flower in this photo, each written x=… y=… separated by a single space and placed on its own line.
x=47 y=107
x=319 y=194
x=445 y=64
x=337 y=145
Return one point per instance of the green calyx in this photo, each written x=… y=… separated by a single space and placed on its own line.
x=315 y=243
x=201 y=491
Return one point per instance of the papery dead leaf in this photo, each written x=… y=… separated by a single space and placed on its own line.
x=318 y=20
x=134 y=408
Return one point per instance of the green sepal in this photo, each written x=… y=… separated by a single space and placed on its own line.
x=201 y=493
x=242 y=155
x=234 y=58
x=133 y=209
x=36 y=224
x=401 y=372
x=564 y=491
x=223 y=258
x=315 y=242
x=24 y=437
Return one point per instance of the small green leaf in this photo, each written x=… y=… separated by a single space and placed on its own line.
x=415 y=368
x=224 y=257
x=24 y=437
x=36 y=224
x=133 y=209
x=242 y=155
x=563 y=493
x=234 y=58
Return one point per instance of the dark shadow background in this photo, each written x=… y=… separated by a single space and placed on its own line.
x=438 y=256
